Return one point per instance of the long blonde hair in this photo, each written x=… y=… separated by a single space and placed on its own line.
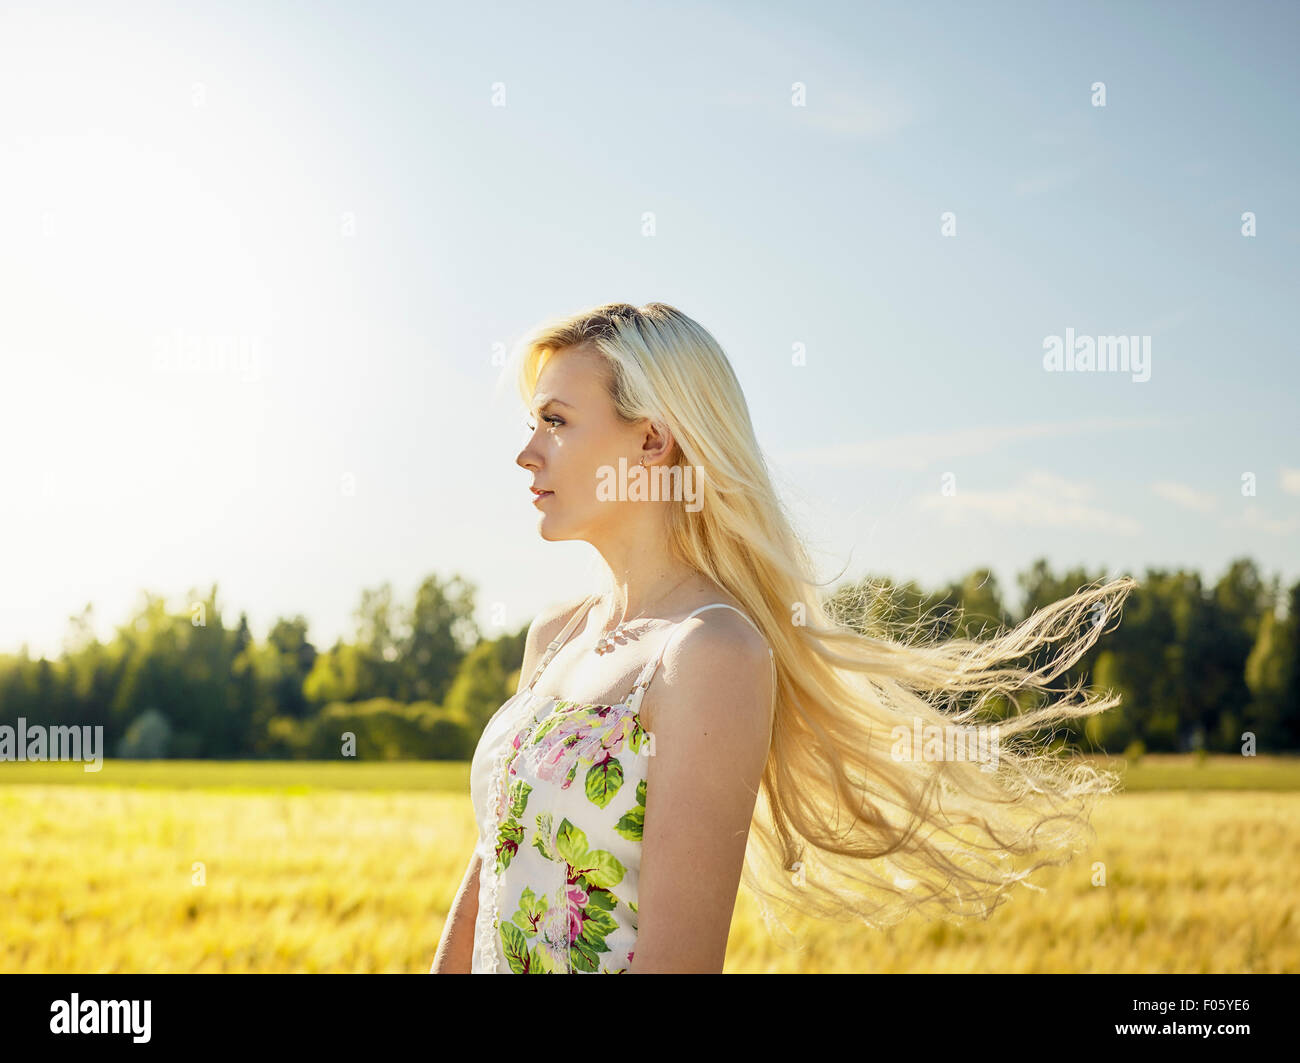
x=844 y=825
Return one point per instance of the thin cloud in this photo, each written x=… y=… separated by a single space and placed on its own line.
x=1041 y=500
x=920 y=450
x=1290 y=480
x=1187 y=497
x=1257 y=520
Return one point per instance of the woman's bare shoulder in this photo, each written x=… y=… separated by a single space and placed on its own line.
x=546 y=625
x=551 y=620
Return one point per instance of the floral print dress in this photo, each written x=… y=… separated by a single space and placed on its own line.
x=559 y=792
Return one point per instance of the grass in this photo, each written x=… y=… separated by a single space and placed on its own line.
x=248 y=776
x=1154 y=771
x=199 y=866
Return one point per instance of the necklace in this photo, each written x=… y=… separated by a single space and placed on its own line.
x=605 y=644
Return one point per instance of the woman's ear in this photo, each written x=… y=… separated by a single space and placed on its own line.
x=658 y=445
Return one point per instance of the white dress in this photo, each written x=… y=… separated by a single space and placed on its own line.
x=559 y=794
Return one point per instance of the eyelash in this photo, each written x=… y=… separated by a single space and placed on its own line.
x=548 y=418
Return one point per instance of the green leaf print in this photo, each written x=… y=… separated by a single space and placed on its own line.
x=602 y=869
x=571 y=842
x=519 y=792
x=604 y=781
x=548 y=725
x=582 y=958
x=540 y=961
x=597 y=924
x=596 y=865
x=632 y=824
x=515 y=947
x=585 y=949
x=508 y=838
x=531 y=910
x=542 y=836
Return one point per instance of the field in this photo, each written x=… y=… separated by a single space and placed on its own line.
x=328 y=867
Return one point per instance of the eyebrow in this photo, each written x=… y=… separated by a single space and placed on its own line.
x=552 y=401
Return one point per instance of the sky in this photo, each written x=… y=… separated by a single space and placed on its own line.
x=261 y=262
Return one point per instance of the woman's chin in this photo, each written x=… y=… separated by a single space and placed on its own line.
x=553 y=531
x=547 y=529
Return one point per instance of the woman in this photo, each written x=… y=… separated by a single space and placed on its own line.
x=618 y=815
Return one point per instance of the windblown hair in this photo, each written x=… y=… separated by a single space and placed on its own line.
x=843 y=825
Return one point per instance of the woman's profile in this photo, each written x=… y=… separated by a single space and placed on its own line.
x=707 y=719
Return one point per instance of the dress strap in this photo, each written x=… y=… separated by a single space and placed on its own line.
x=553 y=648
x=647 y=673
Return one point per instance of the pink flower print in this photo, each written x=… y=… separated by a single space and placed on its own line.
x=577 y=899
x=629 y=956
x=616 y=733
x=577 y=739
x=555 y=925
x=615 y=736
x=570 y=742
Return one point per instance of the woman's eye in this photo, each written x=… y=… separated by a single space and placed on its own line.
x=549 y=419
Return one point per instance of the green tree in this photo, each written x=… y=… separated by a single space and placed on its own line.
x=147 y=738
x=480 y=686
x=439 y=631
x=335 y=675
x=1272 y=671
x=377 y=644
x=293 y=658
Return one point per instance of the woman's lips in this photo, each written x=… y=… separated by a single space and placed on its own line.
x=540 y=495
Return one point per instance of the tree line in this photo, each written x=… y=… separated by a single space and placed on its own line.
x=1197 y=667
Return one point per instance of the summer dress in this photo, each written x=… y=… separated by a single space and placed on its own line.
x=559 y=793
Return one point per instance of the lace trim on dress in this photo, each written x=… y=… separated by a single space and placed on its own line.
x=489 y=928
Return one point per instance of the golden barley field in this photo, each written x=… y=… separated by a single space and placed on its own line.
x=303 y=867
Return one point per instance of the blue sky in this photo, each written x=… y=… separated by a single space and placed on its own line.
x=324 y=202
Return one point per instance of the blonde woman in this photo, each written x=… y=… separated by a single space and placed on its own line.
x=705 y=721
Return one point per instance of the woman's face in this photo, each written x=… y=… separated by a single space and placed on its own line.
x=575 y=432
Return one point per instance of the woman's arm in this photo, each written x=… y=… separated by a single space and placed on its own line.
x=712 y=735
x=457 y=945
